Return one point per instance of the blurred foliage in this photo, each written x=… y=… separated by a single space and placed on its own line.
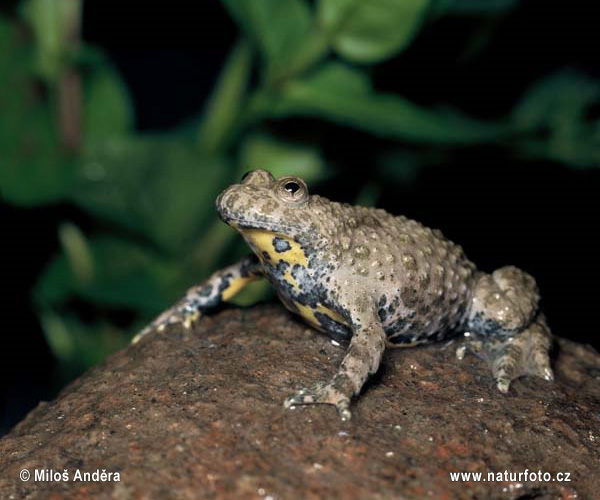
x=67 y=135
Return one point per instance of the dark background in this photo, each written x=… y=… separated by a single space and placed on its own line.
x=538 y=215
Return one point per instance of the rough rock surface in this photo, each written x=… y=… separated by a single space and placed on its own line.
x=198 y=414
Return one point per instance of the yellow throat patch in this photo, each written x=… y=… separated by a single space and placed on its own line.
x=262 y=242
x=264 y=245
x=277 y=247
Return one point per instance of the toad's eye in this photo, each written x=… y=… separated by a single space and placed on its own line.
x=291 y=187
x=292 y=190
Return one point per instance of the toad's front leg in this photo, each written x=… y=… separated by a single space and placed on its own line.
x=361 y=360
x=220 y=287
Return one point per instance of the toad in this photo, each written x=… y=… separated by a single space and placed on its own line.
x=372 y=280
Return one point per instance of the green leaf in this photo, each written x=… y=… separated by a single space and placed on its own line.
x=334 y=94
x=55 y=26
x=78 y=252
x=33 y=168
x=253 y=293
x=58 y=336
x=473 y=7
x=223 y=106
x=334 y=74
x=281 y=158
x=158 y=186
x=559 y=109
x=122 y=274
x=279 y=28
x=368 y=31
x=79 y=345
x=206 y=252
x=107 y=108
x=559 y=100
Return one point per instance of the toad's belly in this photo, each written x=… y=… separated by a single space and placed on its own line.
x=405 y=323
x=426 y=317
x=320 y=317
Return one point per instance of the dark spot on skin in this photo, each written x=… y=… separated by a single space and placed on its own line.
x=225 y=282
x=409 y=336
x=192 y=305
x=335 y=330
x=397 y=326
x=489 y=326
x=438 y=301
x=280 y=245
x=266 y=255
x=290 y=305
x=443 y=325
x=249 y=265
x=423 y=309
x=416 y=328
x=391 y=311
x=409 y=262
x=410 y=297
x=298 y=272
x=210 y=297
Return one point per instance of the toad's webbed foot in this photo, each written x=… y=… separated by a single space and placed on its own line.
x=525 y=353
x=321 y=393
x=183 y=313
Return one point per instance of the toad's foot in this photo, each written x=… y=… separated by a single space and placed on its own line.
x=525 y=353
x=179 y=314
x=362 y=359
x=321 y=393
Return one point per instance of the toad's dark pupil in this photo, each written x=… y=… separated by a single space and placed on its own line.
x=292 y=187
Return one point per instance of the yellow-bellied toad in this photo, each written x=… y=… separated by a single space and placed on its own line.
x=374 y=279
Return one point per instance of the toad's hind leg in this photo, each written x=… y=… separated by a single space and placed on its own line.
x=525 y=353
x=506 y=328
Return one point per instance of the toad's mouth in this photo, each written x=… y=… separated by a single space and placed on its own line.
x=236 y=215
x=242 y=226
x=243 y=221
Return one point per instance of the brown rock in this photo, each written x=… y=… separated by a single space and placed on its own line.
x=198 y=414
